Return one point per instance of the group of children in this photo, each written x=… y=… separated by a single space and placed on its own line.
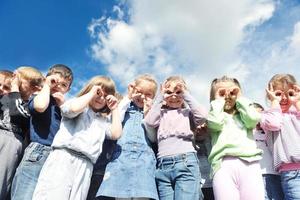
x=148 y=144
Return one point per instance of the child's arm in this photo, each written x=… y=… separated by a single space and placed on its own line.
x=271 y=120
x=248 y=113
x=199 y=113
x=116 y=125
x=152 y=119
x=42 y=99
x=16 y=105
x=216 y=116
x=74 y=107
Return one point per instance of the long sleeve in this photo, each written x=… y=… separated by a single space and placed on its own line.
x=216 y=116
x=198 y=112
x=271 y=120
x=152 y=119
x=248 y=113
x=17 y=106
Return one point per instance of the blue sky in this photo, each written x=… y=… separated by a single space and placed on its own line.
x=200 y=40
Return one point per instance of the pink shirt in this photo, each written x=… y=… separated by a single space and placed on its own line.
x=284 y=133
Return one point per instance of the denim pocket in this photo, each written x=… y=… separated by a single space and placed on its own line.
x=290 y=175
x=192 y=165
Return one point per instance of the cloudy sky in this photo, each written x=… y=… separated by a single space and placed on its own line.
x=198 y=39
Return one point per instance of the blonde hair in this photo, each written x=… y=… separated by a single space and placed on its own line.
x=146 y=77
x=175 y=79
x=32 y=75
x=63 y=70
x=219 y=80
x=284 y=80
x=107 y=84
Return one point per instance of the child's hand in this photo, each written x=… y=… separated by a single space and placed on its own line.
x=111 y=102
x=201 y=132
x=147 y=105
x=223 y=93
x=97 y=90
x=294 y=94
x=272 y=95
x=59 y=98
x=15 y=83
x=52 y=80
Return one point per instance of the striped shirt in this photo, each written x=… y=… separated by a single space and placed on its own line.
x=284 y=132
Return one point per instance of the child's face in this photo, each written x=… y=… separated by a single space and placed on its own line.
x=144 y=90
x=285 y=96
x=25 y=88
x=229 y=91
x=5 y=84
x=173 y=94
x=98 y=102
x=62 y=85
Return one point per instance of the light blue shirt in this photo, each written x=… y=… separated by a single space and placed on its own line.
x=82 y=132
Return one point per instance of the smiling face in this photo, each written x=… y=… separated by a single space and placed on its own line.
x=230 y=92
x=174 y=95
x=98 y=102
x=285 y=93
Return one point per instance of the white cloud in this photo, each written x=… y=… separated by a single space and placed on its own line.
x=197 y=39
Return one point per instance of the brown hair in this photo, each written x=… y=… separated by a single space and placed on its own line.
x=63 y=70
x=32 y=75
x=7 y=73
x=218 y=80
x=107 y=84
x=146 y=77
x=175 y=78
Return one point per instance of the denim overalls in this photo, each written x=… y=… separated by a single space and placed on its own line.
x=131 y=173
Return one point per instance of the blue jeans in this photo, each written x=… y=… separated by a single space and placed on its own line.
x=178 y=177
x=290 y=181
x=28 y=171
x=273 y=190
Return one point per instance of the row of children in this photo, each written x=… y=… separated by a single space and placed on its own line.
x=64 y=161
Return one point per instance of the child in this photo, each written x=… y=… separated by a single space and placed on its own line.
x=5 y=81
x=14 y=121
x=100 y=166
x=271 y=178
x=67 y=171
x=44 y=123
x=178 y=175
x=130 y=174
x=234 y=156
x=282 y=124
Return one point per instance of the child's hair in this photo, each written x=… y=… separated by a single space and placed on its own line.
x=7 y=73
x=63 y=70
x=175 y=78
x=146 y=77
x=218 y=80
x=285 y=80
x=32 y=75
x=107 y=84
x=257 y=105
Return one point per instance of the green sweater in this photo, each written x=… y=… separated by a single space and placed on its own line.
x=232 y=135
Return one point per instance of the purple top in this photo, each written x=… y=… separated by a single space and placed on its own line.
x=285 y=135
x=174 y=134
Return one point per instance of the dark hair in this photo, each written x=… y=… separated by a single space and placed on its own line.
x=257 y=105
x=63 y=70
x=218 y=80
